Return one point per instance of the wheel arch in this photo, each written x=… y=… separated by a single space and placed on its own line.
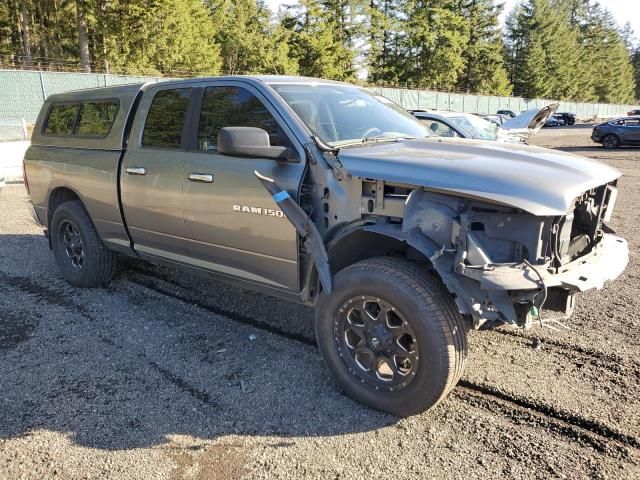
x=359 y=242
x=57 y=197
x=362 y=241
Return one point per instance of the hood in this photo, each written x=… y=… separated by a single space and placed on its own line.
x=540 y=181
x=532 y=120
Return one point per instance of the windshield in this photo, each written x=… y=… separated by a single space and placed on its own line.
x=476 y=127
x=343 y=114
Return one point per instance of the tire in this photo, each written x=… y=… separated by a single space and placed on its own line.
x=571 y=122
x=421 y=306
x=82 y=258
x=610 y=141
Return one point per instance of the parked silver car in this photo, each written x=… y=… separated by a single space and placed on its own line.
x=521 y=128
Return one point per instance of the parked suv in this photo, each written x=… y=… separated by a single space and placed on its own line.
x=617 y=132
x=326 y=194
x=569 y=118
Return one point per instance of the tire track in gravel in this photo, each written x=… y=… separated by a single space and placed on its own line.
x=50 y=295
x=578 y=354
x=611 y=361
x=60 y=298
x=575 y=427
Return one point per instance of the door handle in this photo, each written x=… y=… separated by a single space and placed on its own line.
x=201 y=177
x=136 y=170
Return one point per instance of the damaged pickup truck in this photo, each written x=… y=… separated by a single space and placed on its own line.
x=329 y=195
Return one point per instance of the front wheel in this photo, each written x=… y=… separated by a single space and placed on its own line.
x=391 y=336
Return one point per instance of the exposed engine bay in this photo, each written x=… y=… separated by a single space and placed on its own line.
x=503 y=264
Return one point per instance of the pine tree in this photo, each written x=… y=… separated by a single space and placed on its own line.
x=318 y=41
x=484 y=57
x=544 y=51
x=249 y=42
x=611 y=62
x=384 y=27
x=435 y=36
x=161 y=36
x=635 y=61
x=606 y=70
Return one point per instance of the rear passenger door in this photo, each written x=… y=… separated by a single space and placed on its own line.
x=233 y=225
x=152 y=173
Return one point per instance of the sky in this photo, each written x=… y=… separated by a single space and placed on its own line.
x=623 y=10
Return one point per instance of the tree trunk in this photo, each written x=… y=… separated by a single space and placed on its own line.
x=26 y=41
x=83 y=37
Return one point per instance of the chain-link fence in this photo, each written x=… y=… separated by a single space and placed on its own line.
x=485 y=104
x=22 y=93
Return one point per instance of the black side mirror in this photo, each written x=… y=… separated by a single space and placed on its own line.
x=251 y=142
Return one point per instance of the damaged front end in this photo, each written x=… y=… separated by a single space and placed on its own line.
x=503 y=264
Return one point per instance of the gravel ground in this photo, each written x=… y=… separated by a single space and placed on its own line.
x=165 y=375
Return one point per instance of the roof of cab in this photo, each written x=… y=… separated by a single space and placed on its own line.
x=118 y=90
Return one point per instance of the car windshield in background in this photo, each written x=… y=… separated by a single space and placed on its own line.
x=341 y=114
x=477 y=127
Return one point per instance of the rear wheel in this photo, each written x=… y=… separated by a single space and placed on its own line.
x=391 y=336
x=610 y=141
x=82 y=258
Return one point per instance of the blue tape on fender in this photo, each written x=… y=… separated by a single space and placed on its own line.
x=280 y=196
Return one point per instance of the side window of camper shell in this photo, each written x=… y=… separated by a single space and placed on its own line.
x=61 y=119
x=84 y=119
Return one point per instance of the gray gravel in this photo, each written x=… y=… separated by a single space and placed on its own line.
x=169 y=375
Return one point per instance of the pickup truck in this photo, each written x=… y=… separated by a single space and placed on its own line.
x=326 y=194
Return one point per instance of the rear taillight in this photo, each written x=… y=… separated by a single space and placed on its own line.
x=24 y=177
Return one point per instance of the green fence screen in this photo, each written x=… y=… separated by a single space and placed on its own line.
x=22 y=93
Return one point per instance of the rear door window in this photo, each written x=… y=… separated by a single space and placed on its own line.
x=235 y=107
x=96 y=118
x=61 y=119
x=166 y=117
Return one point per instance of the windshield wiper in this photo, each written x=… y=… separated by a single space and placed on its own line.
x=386 y=138
x=376 y=139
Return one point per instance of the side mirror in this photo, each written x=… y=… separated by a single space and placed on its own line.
x=251 y=142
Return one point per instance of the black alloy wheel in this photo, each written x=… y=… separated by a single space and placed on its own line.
x=69 y=236
x=377 y=343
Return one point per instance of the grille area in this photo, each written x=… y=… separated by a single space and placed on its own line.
x=581 y=229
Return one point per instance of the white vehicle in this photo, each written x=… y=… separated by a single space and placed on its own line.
x=520 y=129
x=13 y=145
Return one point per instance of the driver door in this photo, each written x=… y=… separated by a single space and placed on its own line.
x=233 y=226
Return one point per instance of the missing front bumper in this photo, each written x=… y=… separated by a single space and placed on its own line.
x=604 y=263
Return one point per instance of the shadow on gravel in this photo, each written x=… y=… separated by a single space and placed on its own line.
x=127 y=367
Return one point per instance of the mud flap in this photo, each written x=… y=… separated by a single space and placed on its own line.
x=304 y=226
